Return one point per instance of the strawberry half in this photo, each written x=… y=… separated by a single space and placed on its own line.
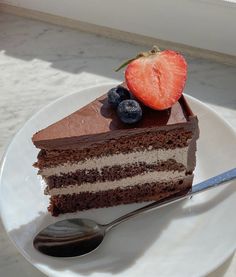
x=157 y=78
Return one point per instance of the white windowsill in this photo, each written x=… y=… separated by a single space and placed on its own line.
x=196 y=23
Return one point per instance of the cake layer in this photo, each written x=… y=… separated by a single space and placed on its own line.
x=112 y=197
x=178 y=138
x=98 y=122
x=128 y=182
x=179 y=155
x=112 y=173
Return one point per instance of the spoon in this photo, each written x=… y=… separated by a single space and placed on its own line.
x=79 y=236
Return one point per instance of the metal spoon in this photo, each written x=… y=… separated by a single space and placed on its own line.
x=79 y=236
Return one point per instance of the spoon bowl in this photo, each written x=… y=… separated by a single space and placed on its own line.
x=70 y=238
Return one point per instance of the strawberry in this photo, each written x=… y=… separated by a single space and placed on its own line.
x=157 y=78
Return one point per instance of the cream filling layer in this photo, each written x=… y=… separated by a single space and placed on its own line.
x=180 y=155
x=151 y=177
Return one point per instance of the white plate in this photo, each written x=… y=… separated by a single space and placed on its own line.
x=186 y=239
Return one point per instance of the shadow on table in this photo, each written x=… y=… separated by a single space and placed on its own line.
x=76 y=52
x=220 y=271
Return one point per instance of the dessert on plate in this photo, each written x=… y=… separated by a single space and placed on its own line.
x=135 y=143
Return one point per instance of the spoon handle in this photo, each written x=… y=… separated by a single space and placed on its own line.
x=203 y=186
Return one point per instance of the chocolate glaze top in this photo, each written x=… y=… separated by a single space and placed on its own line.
x=98 y=122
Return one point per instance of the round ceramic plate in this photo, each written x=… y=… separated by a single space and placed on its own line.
x=190 y=238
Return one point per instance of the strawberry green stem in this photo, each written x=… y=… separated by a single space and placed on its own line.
x=153 y=51
x=124 y=64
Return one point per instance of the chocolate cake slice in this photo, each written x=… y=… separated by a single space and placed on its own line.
x=90 y=159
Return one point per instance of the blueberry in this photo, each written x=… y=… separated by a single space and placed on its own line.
x=129 y=111
x=117 y=94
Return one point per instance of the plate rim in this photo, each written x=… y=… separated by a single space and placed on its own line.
x=60 y=99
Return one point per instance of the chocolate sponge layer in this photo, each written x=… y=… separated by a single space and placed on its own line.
x=112 y=173
x=60 y=204
x=171 y=139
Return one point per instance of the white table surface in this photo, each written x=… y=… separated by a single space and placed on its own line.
x=40 y=62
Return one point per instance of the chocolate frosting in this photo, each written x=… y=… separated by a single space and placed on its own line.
x=98 y=122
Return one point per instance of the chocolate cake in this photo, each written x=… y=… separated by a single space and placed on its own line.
x=91 y=159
